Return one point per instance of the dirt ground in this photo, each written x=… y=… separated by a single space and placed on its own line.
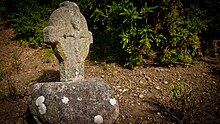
x=143 y=93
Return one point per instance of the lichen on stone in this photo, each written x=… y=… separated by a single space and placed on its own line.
x=98 y=119
x=79 y=99
x=41 y=106
x=65 y=100
x=113 y=101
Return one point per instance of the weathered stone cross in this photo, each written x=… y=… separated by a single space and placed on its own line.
x=73 y=100
x=70 y=38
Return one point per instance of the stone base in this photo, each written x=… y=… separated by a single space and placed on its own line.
x=82 y=102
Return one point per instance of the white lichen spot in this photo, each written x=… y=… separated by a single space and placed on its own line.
x=40 y=100
x=42 y=109
x=79 y=99
x=113 y=101
x=65 y=100
x=41 y=106
x=74 y=87
x=98 y=119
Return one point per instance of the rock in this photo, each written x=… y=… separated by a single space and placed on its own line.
x=157 y=87
x=141 y=82
x=158 y=113
x=82 y=102
x=125 y=90
x=69 y=37
x=165 y=82
x=141 y=96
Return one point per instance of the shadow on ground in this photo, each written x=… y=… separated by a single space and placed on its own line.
x=49 y=76
x=215 y=71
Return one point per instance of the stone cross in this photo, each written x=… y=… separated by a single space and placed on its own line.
x=70 y=38
x=73 y=100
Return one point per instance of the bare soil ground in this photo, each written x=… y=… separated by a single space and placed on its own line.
x=143 y=93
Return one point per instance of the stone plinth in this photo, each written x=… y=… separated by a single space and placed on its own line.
x=83 y=102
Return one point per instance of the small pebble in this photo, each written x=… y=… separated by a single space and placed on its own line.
x=118 y=86
x=117 y=95
x=125 y=90
x=158 y=113
x=157 y=87
x=165 y=82
x=135 y=94
x=141 y=96
x=141 y=82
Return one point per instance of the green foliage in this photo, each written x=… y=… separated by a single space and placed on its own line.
x=105 y=66
x=29 y=18
x=113 y=74
x=30 y=80
x=10 y=89
x=182 y=38
x=30 y=21
x=174 y=30
x=212 y=9
x=15 y=63
x=179 y=92
x=182 y=103
x=169 y=28
x=49 y=53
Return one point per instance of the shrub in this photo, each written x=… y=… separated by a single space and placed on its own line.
x=173 y=31
x=29 y=18
x=29 y=22
x=169 y=28
x=182 y=104
x=211 y=36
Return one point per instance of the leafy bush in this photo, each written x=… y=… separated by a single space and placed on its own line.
x=166 y=31
x=29 y=18
x=210 y=43
x=168 y=28
x=182 y=103
x=30 y=21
